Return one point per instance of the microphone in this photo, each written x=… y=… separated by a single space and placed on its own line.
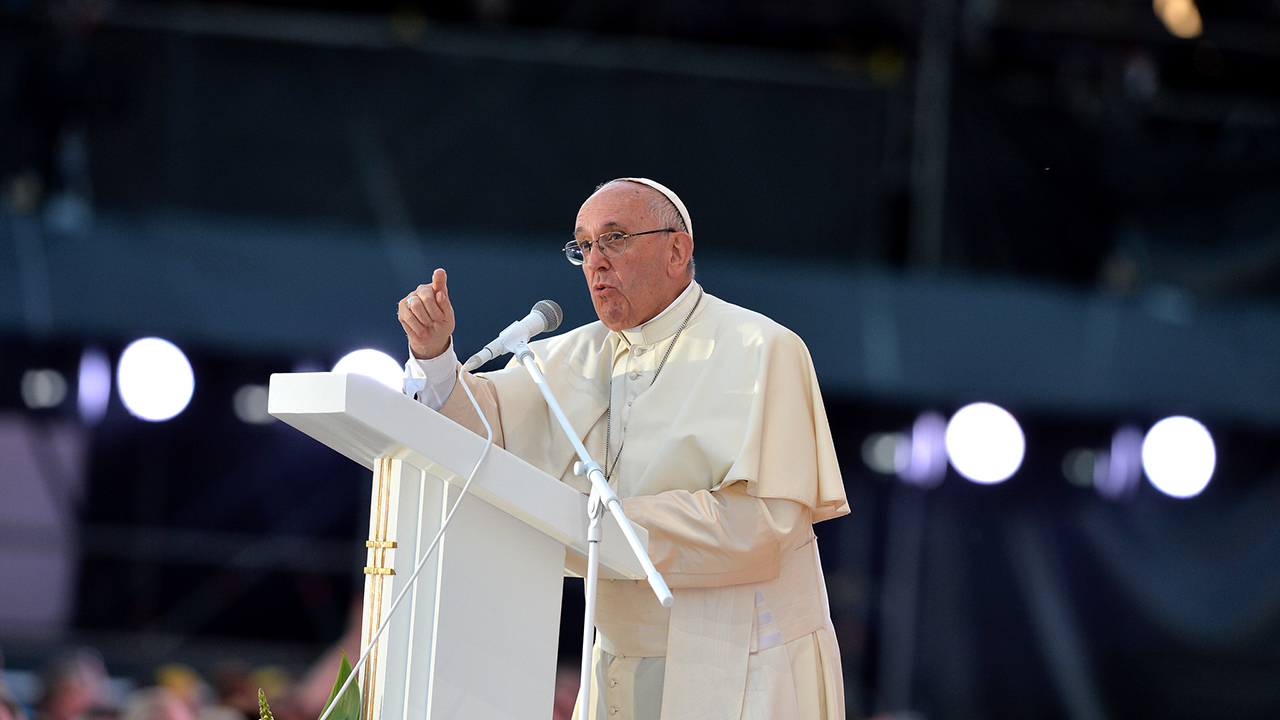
x=544 y=317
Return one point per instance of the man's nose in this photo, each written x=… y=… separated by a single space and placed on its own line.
x=594 y=256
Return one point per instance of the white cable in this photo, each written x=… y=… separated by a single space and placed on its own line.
x=421 y=563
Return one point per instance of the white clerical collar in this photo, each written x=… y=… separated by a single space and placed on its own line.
x=665 y=323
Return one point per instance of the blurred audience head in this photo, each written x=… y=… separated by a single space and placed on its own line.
x=156 y=703
x=185 y=683
x=234 y=687
x=10 y=709
x=76 y=686
x=567 y=682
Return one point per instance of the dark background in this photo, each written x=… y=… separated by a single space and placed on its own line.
x=1055 y=205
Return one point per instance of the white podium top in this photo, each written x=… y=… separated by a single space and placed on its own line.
x=365 y=421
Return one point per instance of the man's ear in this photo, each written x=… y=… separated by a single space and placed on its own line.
x=681 y=254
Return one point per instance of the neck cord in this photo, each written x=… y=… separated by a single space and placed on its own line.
x=608 y=418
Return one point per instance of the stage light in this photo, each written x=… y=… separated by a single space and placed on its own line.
x=154 y=379
x=1180 y=17
x=1120 y=469
x=922 y=460
x=43 y=389
x=374 y=363
x=308 y=365
x=250 y=404
x=1178 y=456
x=879 y=451
x=1080 y=466
x=93 y=386
x=985 y=443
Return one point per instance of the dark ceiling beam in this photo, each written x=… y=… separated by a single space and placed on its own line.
x=1131 y=21
x=548 y=46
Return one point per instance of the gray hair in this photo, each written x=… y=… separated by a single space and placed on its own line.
x=665 y=212
x=658 y=205
x=662 y=210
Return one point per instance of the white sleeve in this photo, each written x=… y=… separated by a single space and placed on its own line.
x=430 y=382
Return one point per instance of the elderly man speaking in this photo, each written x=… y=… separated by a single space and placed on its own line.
x=713 y=433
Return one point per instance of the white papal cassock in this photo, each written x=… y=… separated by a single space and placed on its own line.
x=727 y=460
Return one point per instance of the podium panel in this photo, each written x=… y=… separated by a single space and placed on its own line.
x=472 y=640
x=477 y=636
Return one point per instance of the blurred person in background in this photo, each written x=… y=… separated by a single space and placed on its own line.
x=233 y=684
x=566 y=692
x=308 y=697
x=76 y=686
x=156 y=703
x=200 y=698
x=184 y=682
x=10 y=708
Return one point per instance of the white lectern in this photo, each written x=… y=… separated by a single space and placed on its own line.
x=476 y=638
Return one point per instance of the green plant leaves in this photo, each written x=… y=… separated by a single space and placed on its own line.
x=348 y=707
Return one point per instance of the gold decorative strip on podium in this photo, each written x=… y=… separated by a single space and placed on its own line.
x=378 y=572
x=380 y=548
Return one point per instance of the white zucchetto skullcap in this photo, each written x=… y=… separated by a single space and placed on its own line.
x=666 y=191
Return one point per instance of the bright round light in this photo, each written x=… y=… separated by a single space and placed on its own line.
x=878 y=451
x=922 y=459
x=374 y=363
x=1178 y=456
x=985 y=443
x=93 y=390
x=155 y=379
x=1180 y=17
x=43 y=389
x=1080 y=467
x=1121 y=469
x=250 y=404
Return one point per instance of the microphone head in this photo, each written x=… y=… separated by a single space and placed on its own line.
x=550 y=312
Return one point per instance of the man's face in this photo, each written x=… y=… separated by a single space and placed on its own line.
x=635 y=286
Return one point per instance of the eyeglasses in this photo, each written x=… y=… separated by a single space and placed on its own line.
x=610 y=244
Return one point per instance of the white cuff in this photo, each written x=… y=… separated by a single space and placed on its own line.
x=430 y=382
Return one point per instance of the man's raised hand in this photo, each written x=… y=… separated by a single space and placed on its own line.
x=427 y=317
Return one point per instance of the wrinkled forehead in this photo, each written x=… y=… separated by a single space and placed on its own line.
x=615 y=206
